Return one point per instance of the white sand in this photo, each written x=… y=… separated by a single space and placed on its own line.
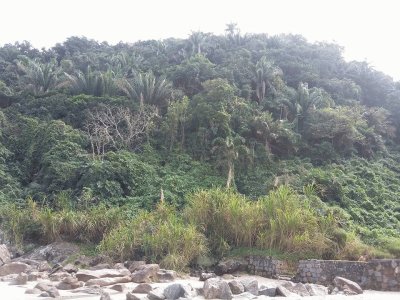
x=12 y=292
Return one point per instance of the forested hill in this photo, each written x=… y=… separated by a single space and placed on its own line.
x=86 y=123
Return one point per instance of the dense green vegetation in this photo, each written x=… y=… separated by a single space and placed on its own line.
x=197 y=146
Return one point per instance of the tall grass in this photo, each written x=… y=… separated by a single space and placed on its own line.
x=160 y=236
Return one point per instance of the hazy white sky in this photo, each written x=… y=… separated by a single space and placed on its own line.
x=368 y=29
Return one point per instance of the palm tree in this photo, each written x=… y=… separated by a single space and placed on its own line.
x=124 y=64
x=39 y=78
x=91 y=82
x=264 y=73
x=147 y=88
x=228 y=151
x=197 y=38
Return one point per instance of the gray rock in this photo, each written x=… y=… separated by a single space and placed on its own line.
x=13 y=268
x=118 y=287
x=146 y=273
x=21 y=279
x=228 y=276
x=270 y=292
x=205 y=276
x=156 y=294
x=55 y=253
x=166 y=275
x=284 y=292
x=44 y=294
x=215 y=288
x=58 y=276
x=108 y=281
x=85 y=275
x=5 y=256
x=245 y=295
x=69 y=283
x=33 y=291
x=105 y=296
x=133 y=266
x=299 y=289
x=316 y=289
x=178 y=290
x=230 y=266
x=53 y=292
x=130 y=296
x=250 y=285
x=70 y=268
x=347 y=286
x=44 y=287
x=236 y=287
x=142 y=288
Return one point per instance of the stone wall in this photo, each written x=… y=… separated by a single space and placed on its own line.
x=269 y=267
x=383 y=274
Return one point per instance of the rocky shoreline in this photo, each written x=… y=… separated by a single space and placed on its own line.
x=57 y=271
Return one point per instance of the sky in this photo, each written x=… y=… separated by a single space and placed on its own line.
x=367 y=29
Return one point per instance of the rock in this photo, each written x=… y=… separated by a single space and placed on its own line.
x=228 y=276
x=284 y=292
x=215 y=288
x=205 y=276
x=130 y=296
x=70 y=268
x=142 y=288
x=245 y=295
x=299 y=289
x=69 y=283
x=85 y=275
x=44 y=294
x=146 y=273
x=32 y=291
x=5 y=256
x=21 y=279
x=101 y=266
x=156 y=294
x=270 y=292
x=166 y=275
x=178 y=290
x=118 y=287
x=230 y=266
x=44 y=287
x=236 y=287
x=316 y=289
x=133 y=266
x=105 y=296
x=58 y=276
x=250 y=285
x=13 y=268
x=33 y=276
x=53 y=292
x=55 y=253
x=108 y=281
x=347 y=286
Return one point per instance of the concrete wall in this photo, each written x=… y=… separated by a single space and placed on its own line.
x=269 y=267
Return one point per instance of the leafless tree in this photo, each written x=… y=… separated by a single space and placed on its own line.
x=110 y=127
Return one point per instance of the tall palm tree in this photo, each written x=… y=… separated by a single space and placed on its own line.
x=38 y=78
x=228 y=150
x=146 y=88
x=264 y=73
x=196 y=39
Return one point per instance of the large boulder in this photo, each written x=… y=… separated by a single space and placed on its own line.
x=107 y=281
x=178 y=290
x=85 y=275
x=21 y=279
x=266 y=291
x=166 y=275
x=5 y=256
x=50 y=290
x=135 y=265
x=316 y=289
x=230 y=266
x=347 y=286
x=297 y=288
x=55 y=253
x=105 y=296
x=284 y=292
x=146 y=273
x=250 y=285
x=156 y=294
x=13 y=268
x=69 y=283
x=142 y=288
x=236 y=287
x=131 y=296
x=215 y=288
x=204 y=276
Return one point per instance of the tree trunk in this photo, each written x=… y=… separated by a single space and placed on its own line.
x=230 y=175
